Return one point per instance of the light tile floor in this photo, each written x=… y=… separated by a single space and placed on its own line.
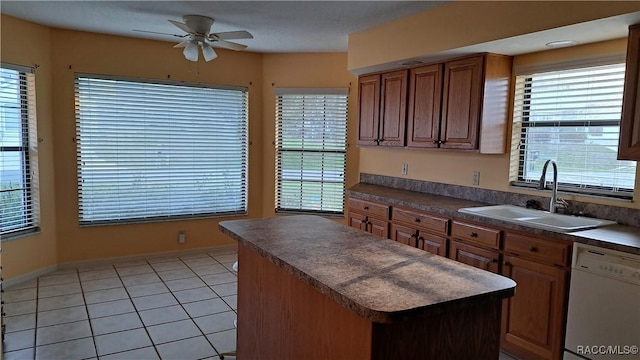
x=172 y=307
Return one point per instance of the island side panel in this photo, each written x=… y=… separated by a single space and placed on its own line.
x=281 y=317
x=471 y=331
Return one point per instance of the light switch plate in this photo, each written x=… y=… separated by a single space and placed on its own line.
x=476 y=178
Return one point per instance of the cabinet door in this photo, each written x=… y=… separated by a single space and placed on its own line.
x=393 y=108
x=369 y=102
x=461 y=101
x=404 y=235
x=533 y=319
x=484 y=259
x=378 y=227
x=357 y=220
x=425 y=94
x=629 y=148
x=432 y=243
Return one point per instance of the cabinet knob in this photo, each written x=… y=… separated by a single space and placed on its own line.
x=493 y=261
x=366 y=208
x=417 y=220
x=533 y=249
x=474 y=235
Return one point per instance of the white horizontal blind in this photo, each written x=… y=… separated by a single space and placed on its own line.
x=18 y=151
x=149 y=151
x=311 y=141
x=572 y=117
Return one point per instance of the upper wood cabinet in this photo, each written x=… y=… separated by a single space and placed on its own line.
x=425 y=94
x=382 y=105
x=629 y=148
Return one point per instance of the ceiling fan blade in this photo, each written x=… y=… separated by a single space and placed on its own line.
x=182 y=44
x=182 y=26
x=190 y=51
x=232 y=35
x=228 y=45
x=208 y=53
x=155 y=32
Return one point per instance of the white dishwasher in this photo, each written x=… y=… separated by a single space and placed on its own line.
x=603 y=319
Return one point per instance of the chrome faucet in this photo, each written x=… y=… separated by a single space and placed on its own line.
x=555 y=202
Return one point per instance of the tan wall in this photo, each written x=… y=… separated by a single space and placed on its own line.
x=27 y=44
x=456 y=167
x=304 y=70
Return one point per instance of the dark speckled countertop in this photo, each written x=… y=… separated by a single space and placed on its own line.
x=378 y=279
x=617 y=237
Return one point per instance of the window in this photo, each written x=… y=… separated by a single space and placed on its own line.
x=154 y=151
x=572 y=117
x=311 y=142
x=18 y=141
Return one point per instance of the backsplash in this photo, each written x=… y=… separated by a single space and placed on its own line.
x=621 y=215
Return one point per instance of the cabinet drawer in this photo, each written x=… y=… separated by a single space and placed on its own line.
x=370 y=208
x=476 y=234
x=421 y=220
x=553 y=252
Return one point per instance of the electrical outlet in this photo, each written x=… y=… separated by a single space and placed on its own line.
x=405 y=169
x=182 y=237
x=476 y=178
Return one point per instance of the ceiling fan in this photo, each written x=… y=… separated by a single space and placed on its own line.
x=198 y=34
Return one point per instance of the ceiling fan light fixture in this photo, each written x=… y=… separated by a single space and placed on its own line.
x=191 y=51
x=208 y=53
x=561 y=43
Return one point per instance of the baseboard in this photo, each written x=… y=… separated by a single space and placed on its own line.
x=109 y=260
x=28 y=276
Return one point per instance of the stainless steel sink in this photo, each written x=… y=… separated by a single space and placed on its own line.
x=537 y=218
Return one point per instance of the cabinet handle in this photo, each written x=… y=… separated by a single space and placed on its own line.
x=421 y=238
x=493 y=261
x=417 y=220
x=473 y=235
x=435 y=142
x=414 y=235
x=533 y=249
x=366 y=208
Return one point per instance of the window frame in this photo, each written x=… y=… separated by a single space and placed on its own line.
x=280 y=149
x=28 y=155
x=243 y=204
x=519 y=151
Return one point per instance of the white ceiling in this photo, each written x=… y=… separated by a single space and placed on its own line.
x=277 y=26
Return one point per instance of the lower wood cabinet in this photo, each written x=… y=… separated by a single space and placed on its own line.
x=404 y=235
x=369 y=216
x=432 y=243
x=481 y=258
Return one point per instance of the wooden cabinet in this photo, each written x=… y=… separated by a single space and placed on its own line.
x=629 y=148
x=420 y=229
x=425 y=93
x=382 y=105
x=533 y=320
x=482 y=258
x=369 y=216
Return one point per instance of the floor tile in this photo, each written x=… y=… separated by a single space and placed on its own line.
x=173 y=331
x=115 y=323
x=176 y=274
x=101 y=284
x=127 y=263
x=60 y=302
x=210 y=269
x=206 y=307
x=33 y=283
x=163 y=315
x=134 y=270
x=61 y=316
x=226 y=289
x=188 y=349
x=154 y=301
x=94 y=297
x=216 y=322
x=19 y=340
x=20 y=322
x=223 y=341
x=110 y=308
x=195 y=255
x=184 y=284
x=169 y=265
x=58 y=279
x=147 y=289
x=57 y=333
x=161 y=259
x=19 y=295
x=147 y=353
x=226 y=258
x=68 y=350
x=98 y=274
x=191 y=295
x=20 y=308
x=217 y=279
x=94 y=267
x=230 y=250
x=232 y=301
x=140 y=279
x=58 y=290
x=24 y=354
x=200 y=262
x=122 y=341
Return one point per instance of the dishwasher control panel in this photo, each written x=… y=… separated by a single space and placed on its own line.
x=606 y=262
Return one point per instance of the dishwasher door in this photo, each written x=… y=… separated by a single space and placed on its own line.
x=604 y=304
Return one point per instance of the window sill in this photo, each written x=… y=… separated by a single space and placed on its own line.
x=621 y=199
x=20 y=234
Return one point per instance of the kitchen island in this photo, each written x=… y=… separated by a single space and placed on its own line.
x=311 y=288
